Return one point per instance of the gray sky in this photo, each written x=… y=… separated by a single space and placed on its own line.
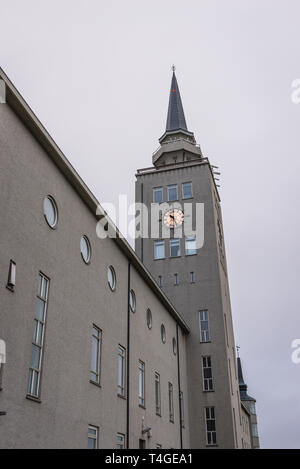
x=97 y=74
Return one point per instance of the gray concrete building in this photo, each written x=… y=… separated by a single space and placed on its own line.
x=99 y=353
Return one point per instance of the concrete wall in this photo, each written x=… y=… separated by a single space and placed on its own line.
x=79 y=297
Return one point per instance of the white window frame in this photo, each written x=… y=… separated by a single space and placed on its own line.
x=157 y=394
x=158 y=190
x=207 y=381
x=95 y=374
x=204 y=333
x=159 y=243
x=121 y=370
x=142 y=393
x=182 y=189
x=171 y=187
x=92 y=436
x=211 y=435
x=38 y=337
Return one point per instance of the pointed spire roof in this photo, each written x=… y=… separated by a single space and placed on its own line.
x=242 y=385
x=176 y=118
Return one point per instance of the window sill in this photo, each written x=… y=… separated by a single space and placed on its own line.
x=33 y=398
x=95 y=383
x=209 y=390
x=12 y=289
x=142 y=406
x=159 y=259
x=205 y=342
x=121 y=396
x=212 y=446
x=158 y=414
x=189 y=255
x=171 y=421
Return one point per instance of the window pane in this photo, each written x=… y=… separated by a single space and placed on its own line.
x=95 y=355
x=172 y=192
x=92 y=443
x=50 y=211
x=159 y=249
x=85 y=249
x=174 y=247
x=40 y=309
x=187 y=190
x=35 y=357
x=157 y=195
x=190 y=246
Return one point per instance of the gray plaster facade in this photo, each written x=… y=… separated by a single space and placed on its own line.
x=32 y=167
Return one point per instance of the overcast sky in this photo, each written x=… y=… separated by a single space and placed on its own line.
x=97 y=74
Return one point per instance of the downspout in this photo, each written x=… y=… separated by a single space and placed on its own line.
x=128 y=358
x=142 y=219
x=179 y=388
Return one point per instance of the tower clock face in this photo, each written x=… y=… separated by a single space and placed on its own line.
x=174 y=218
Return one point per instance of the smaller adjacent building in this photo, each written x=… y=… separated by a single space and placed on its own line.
x=248 y=412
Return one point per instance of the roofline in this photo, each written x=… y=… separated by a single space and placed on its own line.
x=30 y=120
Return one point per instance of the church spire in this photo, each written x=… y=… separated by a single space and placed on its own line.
x=175 y=119
x=242 y=385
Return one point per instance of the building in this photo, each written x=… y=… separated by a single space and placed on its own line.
x=98 y=355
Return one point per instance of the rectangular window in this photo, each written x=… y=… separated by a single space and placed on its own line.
x=210 y=420
x=159 y=249
x=175 y=247
x=160 y=280
x=181 y=404
x=11 y=281
x=254 y=430
x=176 y=281
x=204 y=326
x=120 y=441
x=93 y=437
x=121 y=370
x=172 y=192
x=207 y=374
x=187 y=190
x=96 y=355
x=171 y=402
x=158 y=195
x=35 y=366
x=190 y=246
x=158 y=446
x=192 y=277
x=157 y=394
x=141 y=383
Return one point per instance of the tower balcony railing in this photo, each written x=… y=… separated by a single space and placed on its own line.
x=170 y=165
x=174 y=141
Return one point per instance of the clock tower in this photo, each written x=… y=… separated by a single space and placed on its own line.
x=193 y=275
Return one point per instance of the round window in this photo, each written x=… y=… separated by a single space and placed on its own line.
x=50 y=211
x=85 y=249
x=163 y=333
x=149 y=319
x=174 y=344
x=132 y=301
x=111 y=277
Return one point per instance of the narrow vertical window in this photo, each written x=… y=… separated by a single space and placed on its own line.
x=181 y=406
x=11 y=281
x=204 y=326
x=160 y=281
x=192 y=277
x=159 y=249
x=207 y=374
x=175 y=247
x=141 y=383
x=210 y=420
x=187 y=190
x=157 y=394
x=172 y=192
x=171 y=402
x=121 y=371
x=96 y=355
x=230 y=375
x=157 y=195
x=120 y=441
x=176 y=281
x=93 y=435
x=35 y=366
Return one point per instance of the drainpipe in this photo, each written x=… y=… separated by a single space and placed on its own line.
x=128 y=359
x=142 y=228
x=179 y=387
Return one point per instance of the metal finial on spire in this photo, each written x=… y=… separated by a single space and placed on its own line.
x=238 y=350
x=173 y=68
